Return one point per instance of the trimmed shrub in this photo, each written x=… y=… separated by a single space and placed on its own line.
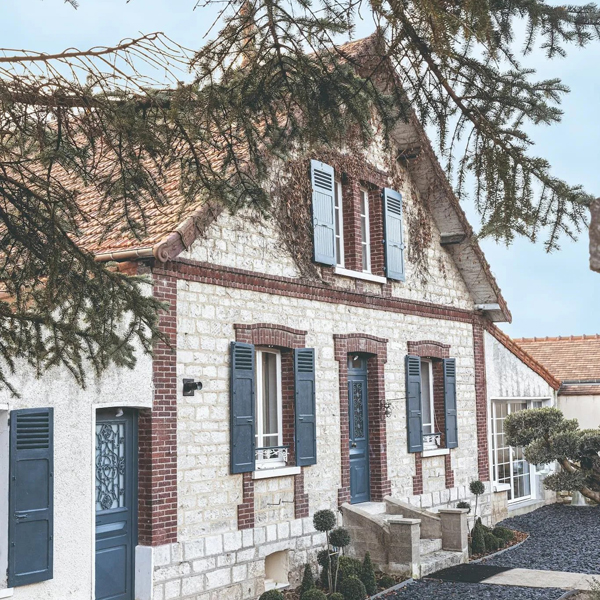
x=477 y=488
x=367 y=575
x=308 y=580
x=322 y=557
x=339 y=537
x=324 y=520
x=352 y=588
x=349 y=567
x=504 y=533
x=336 y=596
x=313 y=594
x=478 y=538
x=386 y=581
x=492 y=543
x=272 y=595
x=463 y=504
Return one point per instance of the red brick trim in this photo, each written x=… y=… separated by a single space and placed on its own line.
x=377 y=349
x=429 y=349
x=309 y=290
x=246 y=514
x=266 y=334
x=300 y=497
x=157 y=479
x=481 y=401
x=418 y=476
x=449 y=471
x=286 y=338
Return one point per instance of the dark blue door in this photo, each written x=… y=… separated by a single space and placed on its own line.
x=359 y=430
x=116 y=504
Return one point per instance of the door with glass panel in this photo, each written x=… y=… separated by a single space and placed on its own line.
x=359 y=430
x=116 y=503
x=510 y=466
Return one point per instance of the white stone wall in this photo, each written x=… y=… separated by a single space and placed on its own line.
x=209 y=495
x=586 y=409
x=247 y=242
x=509 y=378
x=74 y=444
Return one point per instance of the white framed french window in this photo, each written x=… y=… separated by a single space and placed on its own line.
x=270 y=452
x=339 y=224
x=509 y=467
x=427 y=405
x=365 y=233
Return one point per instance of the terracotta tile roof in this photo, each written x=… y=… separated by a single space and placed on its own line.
x=572 y=359
x=524 y=356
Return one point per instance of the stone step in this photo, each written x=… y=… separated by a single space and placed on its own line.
x=428 y=546
x=373 y=508
x=442 y=559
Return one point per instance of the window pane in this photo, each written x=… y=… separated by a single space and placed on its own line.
x=426 y=397
x=269 y=399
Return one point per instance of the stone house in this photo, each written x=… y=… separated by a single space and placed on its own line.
x=357 y=368
x=575 y=361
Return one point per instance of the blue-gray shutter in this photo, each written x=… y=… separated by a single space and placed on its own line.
x=305 y=406
x=323 y=211
x=414 y=414
x=450 y=403
x=242 y=411
x=393 y=239
x=30 y=504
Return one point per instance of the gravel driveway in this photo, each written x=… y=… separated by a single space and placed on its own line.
x=430 y=590
x=562 y=538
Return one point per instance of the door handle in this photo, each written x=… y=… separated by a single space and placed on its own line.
x=353 y=445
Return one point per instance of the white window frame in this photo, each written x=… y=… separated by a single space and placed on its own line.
x=494 y=447
x=428 y=363
x=338 y=220
x=269 y=463
x=365 y=241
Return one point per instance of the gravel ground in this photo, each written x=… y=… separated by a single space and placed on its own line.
x=562 y=538
x=427 y=590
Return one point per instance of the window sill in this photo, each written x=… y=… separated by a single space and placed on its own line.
x=6 y=593
x=360 y=275
x=435 y=452
x=501 y=487
x=279 y=472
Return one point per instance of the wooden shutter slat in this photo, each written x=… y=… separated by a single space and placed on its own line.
x=323 y=211
x=31 y=501
x=242 y=408
x=305 y=406
x=393 y=235
x=450 y=408
x=414 y=415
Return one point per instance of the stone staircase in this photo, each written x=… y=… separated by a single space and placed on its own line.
x=406 y=540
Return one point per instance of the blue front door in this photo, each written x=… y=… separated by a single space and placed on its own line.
x=116 y=504
x=359 y=430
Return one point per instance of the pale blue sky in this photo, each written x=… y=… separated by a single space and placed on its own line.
x=552 y=294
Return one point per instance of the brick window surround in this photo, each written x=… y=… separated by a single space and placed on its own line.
x=285 y=339
x=157 y=475
x=376 y=351
x=436 y=351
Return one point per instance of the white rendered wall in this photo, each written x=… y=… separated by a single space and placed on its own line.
x=74 y=444
x=586 y=409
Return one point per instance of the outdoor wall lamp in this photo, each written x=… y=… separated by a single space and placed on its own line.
x=190 y=386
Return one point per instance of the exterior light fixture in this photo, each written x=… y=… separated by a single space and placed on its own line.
x=190 y=386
